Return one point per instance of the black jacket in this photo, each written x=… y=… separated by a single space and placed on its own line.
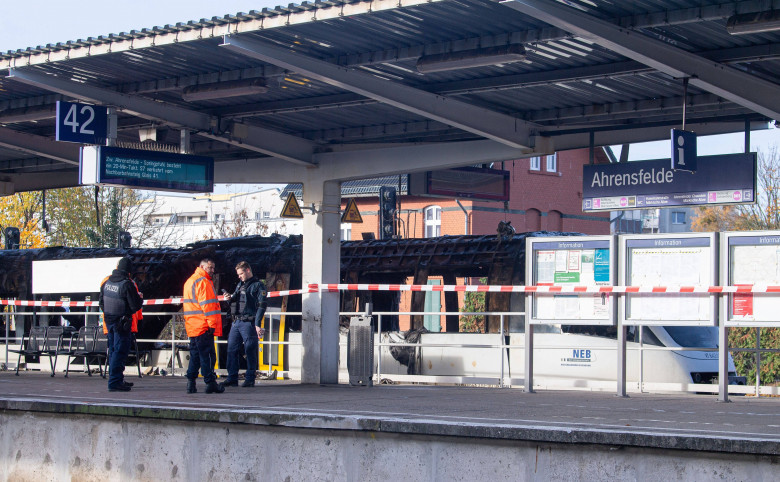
x=255 y=301
x=119 y=297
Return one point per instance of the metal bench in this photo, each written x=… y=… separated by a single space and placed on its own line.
x=42 y=341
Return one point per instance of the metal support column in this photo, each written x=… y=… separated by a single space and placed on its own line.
x=621 y=357
x=723 y=357
x=529 y=350
x=321 y=264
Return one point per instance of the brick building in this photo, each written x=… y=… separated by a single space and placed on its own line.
x=545 y=194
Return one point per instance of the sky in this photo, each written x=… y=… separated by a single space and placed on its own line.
x=39 y=22
x=33 y=23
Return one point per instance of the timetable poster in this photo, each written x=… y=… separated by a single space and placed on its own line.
x=573 y=263
x=669 y=262
x=754 y=261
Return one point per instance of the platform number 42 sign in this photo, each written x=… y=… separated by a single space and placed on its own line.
x=82 y=123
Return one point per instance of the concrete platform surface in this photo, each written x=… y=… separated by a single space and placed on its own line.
x=746 y=425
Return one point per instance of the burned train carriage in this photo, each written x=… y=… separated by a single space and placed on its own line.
x=161 y=273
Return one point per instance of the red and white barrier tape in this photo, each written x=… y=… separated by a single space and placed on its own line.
x=330 y=288
x=551 y=289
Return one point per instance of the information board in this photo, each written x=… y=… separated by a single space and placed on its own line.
x=671 y=261
x=752 y=259
x=462 y=182
x=161 y=171
x=572 y=261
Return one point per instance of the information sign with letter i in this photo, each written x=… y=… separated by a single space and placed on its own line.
x=683 y=150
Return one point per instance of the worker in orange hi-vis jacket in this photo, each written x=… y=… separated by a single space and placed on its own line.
x=203 y=321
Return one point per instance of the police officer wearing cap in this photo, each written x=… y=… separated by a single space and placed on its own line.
x=248 y=308
x=119 y=299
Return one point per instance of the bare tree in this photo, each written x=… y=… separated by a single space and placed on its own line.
x=764 y=214
x=239 y=225
x=86 y=216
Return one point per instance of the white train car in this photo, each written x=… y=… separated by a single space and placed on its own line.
x=668 y=359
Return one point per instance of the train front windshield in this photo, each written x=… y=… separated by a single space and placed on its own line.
x=694 y=336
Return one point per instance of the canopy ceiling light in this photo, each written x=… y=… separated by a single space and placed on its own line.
x=221 y=90
x=466 y=59
x=767 y=21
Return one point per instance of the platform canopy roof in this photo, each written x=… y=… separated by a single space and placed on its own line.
x=378 y=87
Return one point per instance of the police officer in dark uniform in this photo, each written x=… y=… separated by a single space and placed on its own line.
x=119 y=299
x=247 y=308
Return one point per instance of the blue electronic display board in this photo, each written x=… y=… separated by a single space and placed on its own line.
x=722 y=179
x=152 y=170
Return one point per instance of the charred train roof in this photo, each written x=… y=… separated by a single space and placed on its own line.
x=161 y=273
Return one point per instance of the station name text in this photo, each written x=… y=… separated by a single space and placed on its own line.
x=653 y=176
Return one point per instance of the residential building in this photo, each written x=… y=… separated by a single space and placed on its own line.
x=181 y=219
x=675 y=219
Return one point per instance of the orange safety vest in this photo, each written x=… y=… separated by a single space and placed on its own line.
x=200 y=305
x=137 y=316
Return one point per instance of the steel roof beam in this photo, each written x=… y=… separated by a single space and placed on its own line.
x=343 y=164
x=44 y=180
x=744 y=89
x=502 y=128
x=258 y=139
x=39 y=146
x=648 y=133
x=42 y=107
x=268 y=19
x=506 y=82
x=38 y=163
x=193 y=31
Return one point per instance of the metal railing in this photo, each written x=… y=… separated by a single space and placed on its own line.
x=504 y=349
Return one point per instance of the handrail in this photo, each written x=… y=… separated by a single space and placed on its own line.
x=620 y=291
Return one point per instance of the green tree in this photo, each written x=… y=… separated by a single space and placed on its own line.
x=107 y=234
x=745 y=362
x=473 y=302
x=80 y=216
x=23 y=211
x=71 y=214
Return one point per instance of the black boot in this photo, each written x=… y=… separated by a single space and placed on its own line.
x=214 y=387
x=191 y=388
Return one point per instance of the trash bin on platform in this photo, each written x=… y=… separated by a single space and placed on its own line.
x=360 y=351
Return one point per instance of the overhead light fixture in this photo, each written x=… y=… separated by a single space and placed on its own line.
x=759 y=22
x=221 y=90
x=466 y=59
x=147 y=134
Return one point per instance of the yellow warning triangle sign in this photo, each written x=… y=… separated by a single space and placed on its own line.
x=291 y=208
x=351 y=214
